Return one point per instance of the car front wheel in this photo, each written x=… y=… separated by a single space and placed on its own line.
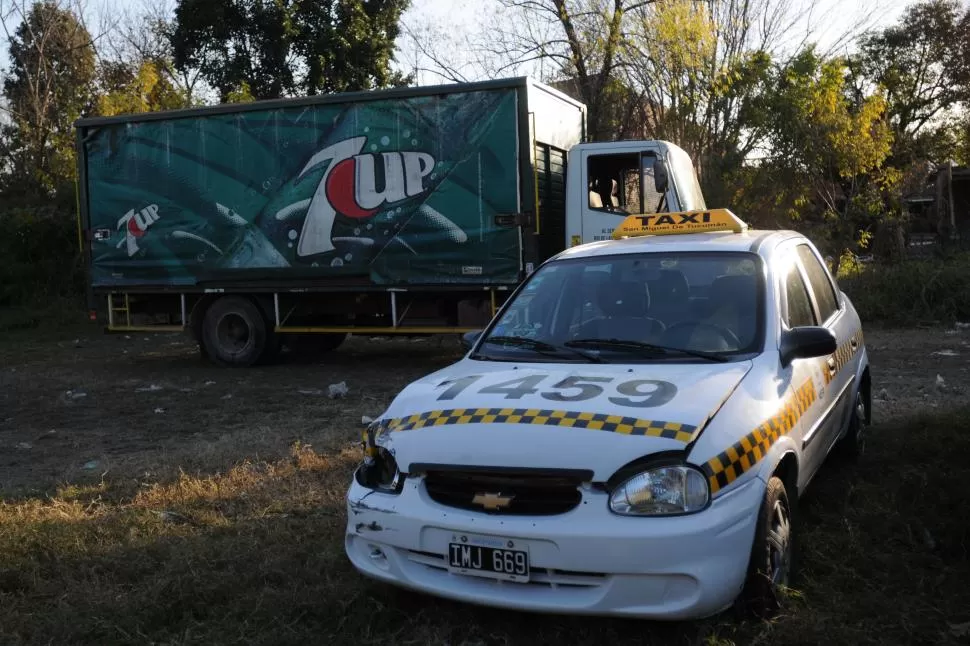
x=772 y=553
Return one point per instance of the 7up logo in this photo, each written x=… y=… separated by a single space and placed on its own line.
x=135 y=225
x=349 y=186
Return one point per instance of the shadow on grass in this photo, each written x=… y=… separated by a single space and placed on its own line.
x=255 y=556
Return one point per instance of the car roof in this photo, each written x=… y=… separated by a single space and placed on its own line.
x=762 y=242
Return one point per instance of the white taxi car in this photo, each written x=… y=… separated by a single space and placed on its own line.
x=630 y=433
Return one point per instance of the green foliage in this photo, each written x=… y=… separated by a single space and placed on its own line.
x=48 y=87
x=825 y=168
x=288 y=47
x=922 y=63
x=130 y=89
x=41 y=261
x=915 y=291
x=241 y=94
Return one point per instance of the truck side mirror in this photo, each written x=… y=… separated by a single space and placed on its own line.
x=660 y=178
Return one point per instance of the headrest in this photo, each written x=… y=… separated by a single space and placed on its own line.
x=671 y=287
x=624 y=299
x=740 y=290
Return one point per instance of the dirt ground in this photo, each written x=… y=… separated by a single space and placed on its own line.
x=86 y=406
x=80 y=406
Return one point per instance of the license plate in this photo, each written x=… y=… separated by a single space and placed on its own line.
x=492 y=558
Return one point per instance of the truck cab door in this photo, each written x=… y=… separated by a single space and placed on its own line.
x=619 y=183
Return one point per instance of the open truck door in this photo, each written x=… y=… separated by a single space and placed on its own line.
x=614 y=180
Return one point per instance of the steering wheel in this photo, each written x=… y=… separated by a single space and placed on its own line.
x=732 y=340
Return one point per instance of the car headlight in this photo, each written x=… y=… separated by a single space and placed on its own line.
x=662 y=491
x=379 y=470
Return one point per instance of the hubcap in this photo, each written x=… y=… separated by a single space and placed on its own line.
x=233 y=333
x=779 y=544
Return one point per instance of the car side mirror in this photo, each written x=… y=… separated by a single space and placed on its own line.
x=468 y=338
x=806 y=343
x=660 y=178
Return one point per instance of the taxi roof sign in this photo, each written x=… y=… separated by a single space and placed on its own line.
x=679 y=222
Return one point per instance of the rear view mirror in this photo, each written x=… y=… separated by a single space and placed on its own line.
x=806 y=343
x=660 y=179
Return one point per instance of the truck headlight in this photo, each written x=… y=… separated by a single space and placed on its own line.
x=662 y=491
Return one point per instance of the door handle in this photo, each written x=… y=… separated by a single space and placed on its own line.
x=854 y=343
x=831 y=364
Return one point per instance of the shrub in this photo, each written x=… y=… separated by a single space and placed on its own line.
x=40 y=263
x=932 y=290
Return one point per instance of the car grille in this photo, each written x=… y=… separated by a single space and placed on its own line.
x=506 y=492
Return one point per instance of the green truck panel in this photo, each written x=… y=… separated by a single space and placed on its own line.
x=395 y=190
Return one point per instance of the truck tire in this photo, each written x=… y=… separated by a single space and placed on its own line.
x=234 y=332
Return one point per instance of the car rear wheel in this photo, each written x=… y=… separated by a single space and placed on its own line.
x=772 y=553
x=854 y=443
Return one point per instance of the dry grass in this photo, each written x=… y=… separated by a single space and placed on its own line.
x=255 y=556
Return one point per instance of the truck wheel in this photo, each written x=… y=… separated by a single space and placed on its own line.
x=234 y=332
x=315 y=344
x=772 y=553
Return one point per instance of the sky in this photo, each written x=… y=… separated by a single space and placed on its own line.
x=462 y=19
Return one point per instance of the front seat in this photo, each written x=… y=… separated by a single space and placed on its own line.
x=670 y=296
x=625 y=306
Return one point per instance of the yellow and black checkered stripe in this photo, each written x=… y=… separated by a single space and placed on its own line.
x=843 y=354
x=543 y=417
x=723 y=469
x=727 y=467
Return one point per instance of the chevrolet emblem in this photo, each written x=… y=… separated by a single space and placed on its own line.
x=492 y=501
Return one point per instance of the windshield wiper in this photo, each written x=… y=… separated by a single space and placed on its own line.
x=542 y=347
x=639 y=346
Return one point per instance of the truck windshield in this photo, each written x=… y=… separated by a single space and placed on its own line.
x=681 y=306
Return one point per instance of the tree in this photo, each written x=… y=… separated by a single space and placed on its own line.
x=922 y=63
x=127 y=89
x=288 y=47
x=829 y=146
x=48 y=87
x=599 y=52
x=144 y=38
x=700 y=80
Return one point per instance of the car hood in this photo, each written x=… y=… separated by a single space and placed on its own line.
x=553 y=415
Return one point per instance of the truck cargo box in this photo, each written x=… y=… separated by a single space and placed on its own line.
x=383 y=188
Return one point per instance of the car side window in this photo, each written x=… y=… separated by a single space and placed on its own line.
x=818 y=277
x=800 y=312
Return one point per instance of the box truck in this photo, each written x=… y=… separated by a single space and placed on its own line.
x=409 y=211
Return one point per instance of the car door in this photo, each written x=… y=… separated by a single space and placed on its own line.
x=837 y=373
x=798 y=310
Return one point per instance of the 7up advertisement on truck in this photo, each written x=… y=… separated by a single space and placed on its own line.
x=394 y=191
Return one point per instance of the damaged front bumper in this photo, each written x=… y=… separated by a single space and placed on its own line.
x=586 y=561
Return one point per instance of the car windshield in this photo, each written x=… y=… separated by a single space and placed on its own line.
x=672 y=306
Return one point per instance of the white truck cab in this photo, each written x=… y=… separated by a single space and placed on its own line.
x=606 y=182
